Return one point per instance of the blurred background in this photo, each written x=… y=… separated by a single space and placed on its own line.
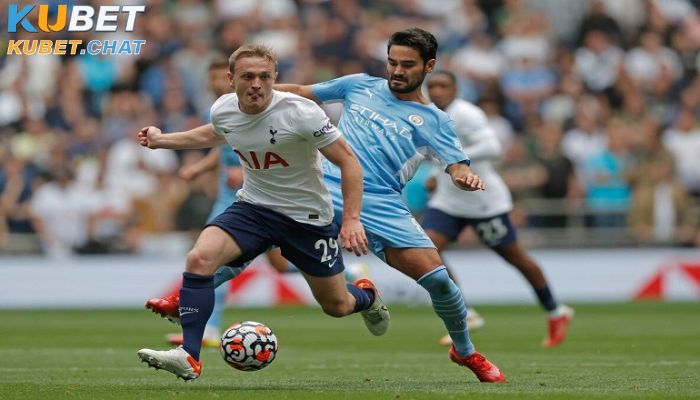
x=596 y=103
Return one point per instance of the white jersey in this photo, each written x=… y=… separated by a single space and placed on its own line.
x=481 y=145
x=279 y=153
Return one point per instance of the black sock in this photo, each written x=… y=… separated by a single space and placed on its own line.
x=196 y=305
x=363 y=298
x=546 y=298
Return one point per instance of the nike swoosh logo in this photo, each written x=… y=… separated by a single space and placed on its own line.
x=196 y=366
x=186 y=312
x=330 y=264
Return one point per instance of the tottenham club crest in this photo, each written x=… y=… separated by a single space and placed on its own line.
x=273 y=131
x=416 y=120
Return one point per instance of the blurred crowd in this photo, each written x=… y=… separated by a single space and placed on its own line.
x=596 y=102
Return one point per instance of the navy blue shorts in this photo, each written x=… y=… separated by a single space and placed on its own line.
x=313 y=249
x=492 y=231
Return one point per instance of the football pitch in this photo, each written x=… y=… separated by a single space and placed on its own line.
x=640 y=350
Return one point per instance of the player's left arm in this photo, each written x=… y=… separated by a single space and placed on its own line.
x=352 y=234
x=446 y=146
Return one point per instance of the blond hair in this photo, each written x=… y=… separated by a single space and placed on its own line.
x=252 y=50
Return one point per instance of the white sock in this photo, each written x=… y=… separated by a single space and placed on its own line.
x=556 y=313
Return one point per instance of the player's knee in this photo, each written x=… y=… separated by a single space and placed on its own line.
x=438 y=283
x=336 y=307
x=199 y=262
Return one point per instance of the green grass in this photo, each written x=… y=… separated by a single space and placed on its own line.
x=642 y=350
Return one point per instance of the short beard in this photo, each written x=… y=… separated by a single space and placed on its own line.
x=409 y=88
x=406 y=89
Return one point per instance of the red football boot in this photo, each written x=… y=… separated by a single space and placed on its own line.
x=167 y=307
x=480 y=366
x=559 y=327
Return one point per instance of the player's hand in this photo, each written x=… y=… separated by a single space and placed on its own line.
x=353 y=238
x=148 y=137
x=463 y=177
x=470 y=182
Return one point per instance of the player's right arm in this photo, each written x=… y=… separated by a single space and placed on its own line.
x=200 y=137
x=335 y=89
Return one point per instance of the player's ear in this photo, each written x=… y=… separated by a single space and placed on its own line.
x=430 y=65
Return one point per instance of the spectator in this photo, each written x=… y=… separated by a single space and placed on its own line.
x=523 y=175
x=586 y=138
x=16 y=179
x=501 y=126
x=59 y=214
x=661 y=209
x=479 y=63
x=651 y=63
x=598 y=62
x=683 y=141
x=561 y=106
x=599 y=20
x=561 y=182
x=606 y=178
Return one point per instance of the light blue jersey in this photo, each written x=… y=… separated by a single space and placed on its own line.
x=390 y=137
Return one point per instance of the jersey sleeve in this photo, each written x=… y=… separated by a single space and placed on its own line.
x=336 y=89
x=445 y=145
x=316 y=127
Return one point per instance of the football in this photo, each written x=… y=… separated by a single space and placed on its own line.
x=248 y=346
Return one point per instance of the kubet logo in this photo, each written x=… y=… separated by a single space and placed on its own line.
x=53 y=18
x=82 y=18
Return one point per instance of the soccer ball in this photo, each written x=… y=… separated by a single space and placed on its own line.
x=248 y=346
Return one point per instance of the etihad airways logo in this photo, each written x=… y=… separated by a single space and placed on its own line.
x=389 y=126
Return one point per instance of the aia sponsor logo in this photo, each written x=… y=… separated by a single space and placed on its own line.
x=267 y=161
